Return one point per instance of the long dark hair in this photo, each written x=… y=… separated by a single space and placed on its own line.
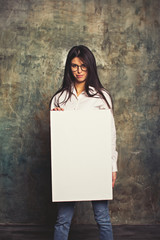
x=92 y=80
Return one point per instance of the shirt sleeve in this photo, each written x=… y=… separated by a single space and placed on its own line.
x=114 y=152
x=113 y=132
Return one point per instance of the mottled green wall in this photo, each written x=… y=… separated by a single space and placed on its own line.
x=35 y=37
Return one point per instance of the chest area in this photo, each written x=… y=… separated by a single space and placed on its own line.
x=84 y=103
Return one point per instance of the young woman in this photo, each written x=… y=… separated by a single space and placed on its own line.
x=81 y=90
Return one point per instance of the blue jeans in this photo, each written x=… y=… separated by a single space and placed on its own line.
x=65 y=214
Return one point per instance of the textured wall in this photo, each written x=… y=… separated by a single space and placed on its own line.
x=35 y=37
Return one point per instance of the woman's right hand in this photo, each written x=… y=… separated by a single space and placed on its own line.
x=57 y=109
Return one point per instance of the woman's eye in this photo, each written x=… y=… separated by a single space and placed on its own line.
x=84 y=67
x=74 y=65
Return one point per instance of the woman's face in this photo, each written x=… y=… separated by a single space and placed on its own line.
x=79 y=70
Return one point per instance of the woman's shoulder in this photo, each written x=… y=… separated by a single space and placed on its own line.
x=105 y=93
x=60 y=95
x=107 y=96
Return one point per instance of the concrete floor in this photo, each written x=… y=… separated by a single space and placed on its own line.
x=79 y=232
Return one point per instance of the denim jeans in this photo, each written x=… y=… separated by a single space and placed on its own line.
x=65 y=214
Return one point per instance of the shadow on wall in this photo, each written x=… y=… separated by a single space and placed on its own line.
x=39 y=196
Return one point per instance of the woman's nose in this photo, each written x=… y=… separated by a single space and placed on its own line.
x=79 y=70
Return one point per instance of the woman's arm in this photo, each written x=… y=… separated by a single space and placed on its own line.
x=113 y=132
x=53 y=107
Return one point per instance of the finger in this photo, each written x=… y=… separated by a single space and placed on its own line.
x=114 y=175
x=57 y=109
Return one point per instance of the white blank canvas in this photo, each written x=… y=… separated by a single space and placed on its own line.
x=81 y=155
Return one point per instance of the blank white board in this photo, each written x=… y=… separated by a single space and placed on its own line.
x=81 y=155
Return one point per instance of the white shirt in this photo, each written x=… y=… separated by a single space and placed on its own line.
x=83 y=102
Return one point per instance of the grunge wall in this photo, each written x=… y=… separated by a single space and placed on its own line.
x=35 y=36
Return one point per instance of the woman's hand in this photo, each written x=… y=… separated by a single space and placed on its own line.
x=57 y=109
x=114 y=176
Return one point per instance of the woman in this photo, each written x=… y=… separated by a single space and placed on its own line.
x=81 y=90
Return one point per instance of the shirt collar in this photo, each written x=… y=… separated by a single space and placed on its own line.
x=92 y=90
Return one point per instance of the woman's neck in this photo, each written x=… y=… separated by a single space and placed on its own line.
x=80 y=87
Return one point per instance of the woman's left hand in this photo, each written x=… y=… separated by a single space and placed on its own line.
x=114 y=176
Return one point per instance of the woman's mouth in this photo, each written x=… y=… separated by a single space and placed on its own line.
x=79 y=76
